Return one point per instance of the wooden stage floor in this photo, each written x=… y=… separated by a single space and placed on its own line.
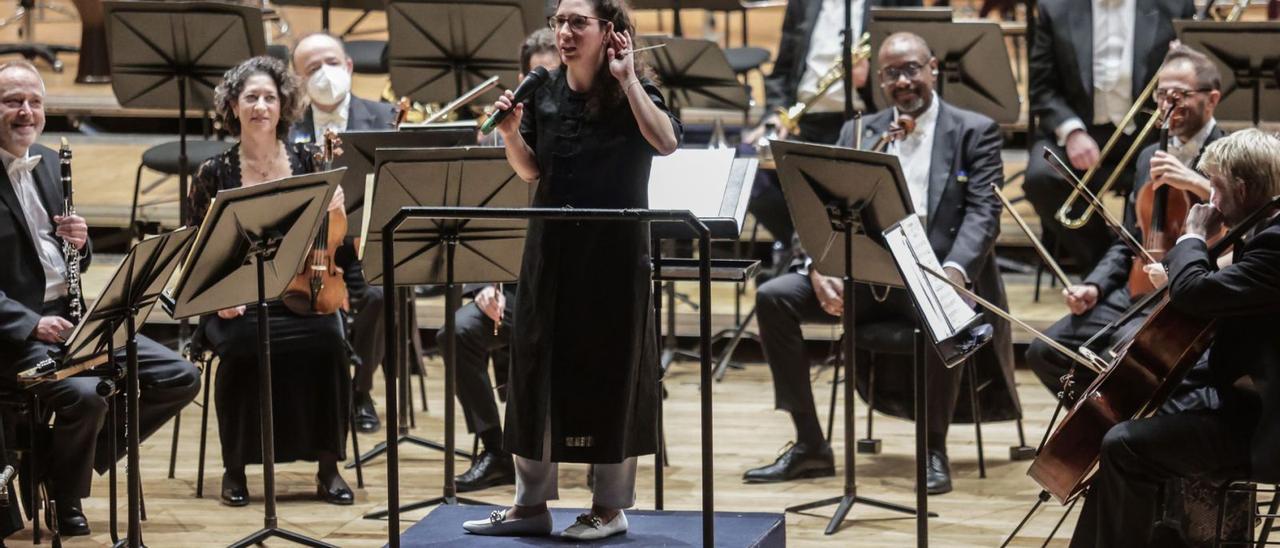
x=748 y=433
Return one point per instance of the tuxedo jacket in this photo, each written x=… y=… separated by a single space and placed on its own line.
x=1112 y=272
x=962 y=224
x=793 y=48
x=1244 y=299
x=1061 y=62
x=22 y=279
x=364 y=115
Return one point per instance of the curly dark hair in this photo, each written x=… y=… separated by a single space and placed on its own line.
x=228 y=93
x=610 y=93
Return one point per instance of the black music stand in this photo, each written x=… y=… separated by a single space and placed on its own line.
x=439 y=49
x=256 y=237
x=966 y=76
x=848 y=196
x=695 y=73
x=167 y=55
x=113 y=322
x=441 y=252
x=358 y=157
x=1248 y=56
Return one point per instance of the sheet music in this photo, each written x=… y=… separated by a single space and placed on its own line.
x=941 y=307
x=365 y=213
x=690 y=179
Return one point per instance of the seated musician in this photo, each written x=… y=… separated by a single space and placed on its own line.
x=950 y=161
x=478 y=339
x=34 y=306
x=256 y=102
x=1239 y=439
x=321 y=63
x=1193 y=81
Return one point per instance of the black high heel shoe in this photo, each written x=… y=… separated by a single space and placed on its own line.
x=337 y=492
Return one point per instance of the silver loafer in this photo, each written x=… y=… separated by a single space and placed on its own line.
x=497 y=524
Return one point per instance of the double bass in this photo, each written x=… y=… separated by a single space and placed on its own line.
x=318 y=289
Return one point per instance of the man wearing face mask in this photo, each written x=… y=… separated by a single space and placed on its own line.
x=321 y=62
x=950 y=161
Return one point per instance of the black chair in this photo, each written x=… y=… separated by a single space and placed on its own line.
x=1261 y=523
x=29 y=48
x=368 y=56
x=164 y=159
x=21 y=409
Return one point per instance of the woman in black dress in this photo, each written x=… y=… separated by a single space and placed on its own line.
x=583 y=385
x=257 y=101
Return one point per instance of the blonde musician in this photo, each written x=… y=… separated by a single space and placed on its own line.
x=34 y=304
x=257 y=101
x=950 y=161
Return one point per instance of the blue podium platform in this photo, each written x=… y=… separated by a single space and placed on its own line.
x=443 y=527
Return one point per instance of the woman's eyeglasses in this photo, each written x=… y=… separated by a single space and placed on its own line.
x=577 y=23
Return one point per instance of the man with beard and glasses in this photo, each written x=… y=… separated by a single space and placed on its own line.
x=321 y=63
x=950 y=161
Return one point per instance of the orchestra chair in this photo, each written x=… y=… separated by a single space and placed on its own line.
x=1267 y=518
x=368 y=56
x=28 y=48
x=163 y=158
x=21 y=416
x=894 y=338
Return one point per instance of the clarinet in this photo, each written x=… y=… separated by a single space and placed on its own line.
x=70 y=254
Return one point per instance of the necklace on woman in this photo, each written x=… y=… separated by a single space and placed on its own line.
x=261 y=169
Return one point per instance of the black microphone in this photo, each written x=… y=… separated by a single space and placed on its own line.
x=531 y=83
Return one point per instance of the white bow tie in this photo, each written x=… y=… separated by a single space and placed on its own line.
x=20 y=165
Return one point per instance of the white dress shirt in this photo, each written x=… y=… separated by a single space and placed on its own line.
x=824 y=52
x=336 y=120
x=1113 y=30
x=915 y=153
x=39 y=224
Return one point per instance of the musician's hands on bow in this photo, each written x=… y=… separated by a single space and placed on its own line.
x=1082 y=150
x=1167 y=170
x=231 y=313
x=1157 y=274
x=510 y=126
x=830 y=292
x=1081 y=298
x=1203 y=220
x=72 y=229
x=492 y=302
x=339 y=199
x=50 y=329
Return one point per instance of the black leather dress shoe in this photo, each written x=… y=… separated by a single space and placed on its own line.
x=938 y=474
x=334 y=491
x=798 y=461
x=71 y=520
x=234 y=490
x=490 y=469
x=366 y=416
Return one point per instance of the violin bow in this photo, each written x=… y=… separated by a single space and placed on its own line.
x=1061 y=167
x=1007 y=316
x=1035 y=242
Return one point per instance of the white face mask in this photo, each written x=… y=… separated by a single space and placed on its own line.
x=329 y=85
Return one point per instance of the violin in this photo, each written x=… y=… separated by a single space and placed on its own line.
x=899 y=129
x=318 y=289
x=1146 y=369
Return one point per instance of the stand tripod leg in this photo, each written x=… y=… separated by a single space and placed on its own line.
x=1061 y=520
x=1042 y=498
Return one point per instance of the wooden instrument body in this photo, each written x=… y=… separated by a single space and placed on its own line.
x=1148 y=368
x=319 y=288
x=1157 y=240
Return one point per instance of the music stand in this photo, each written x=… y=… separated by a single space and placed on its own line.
x=840 y=194
x=1248 y=56
x=166 y=55
x=326 y=5
x=112 y=322
x=358 y=156
x=438 y=49
x=441 y=252
x=695 y=73
x=256 y=237
x=966 y=76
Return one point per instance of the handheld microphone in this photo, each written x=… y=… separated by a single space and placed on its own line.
x=531 y=83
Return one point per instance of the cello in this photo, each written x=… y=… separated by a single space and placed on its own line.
x=1147 y=367
x=318 y=289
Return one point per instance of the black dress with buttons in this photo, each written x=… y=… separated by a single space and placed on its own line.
x=584 y=356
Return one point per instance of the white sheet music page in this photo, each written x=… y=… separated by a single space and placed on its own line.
x=944 y=312
x=691 y=179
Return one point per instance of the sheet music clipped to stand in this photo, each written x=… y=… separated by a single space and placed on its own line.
x=941 y=308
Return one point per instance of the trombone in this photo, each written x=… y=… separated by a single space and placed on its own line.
x=1064 y=212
